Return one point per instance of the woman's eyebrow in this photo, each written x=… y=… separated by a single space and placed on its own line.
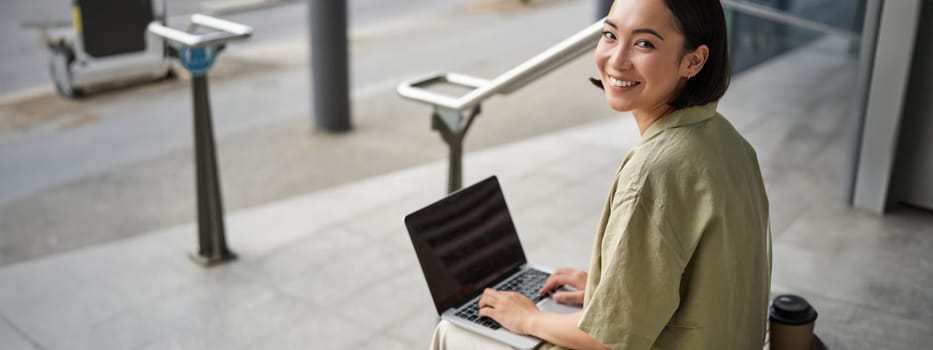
x=637 y=31
x=647 y=31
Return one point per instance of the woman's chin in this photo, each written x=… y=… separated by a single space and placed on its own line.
x=619 y=103
x=620 y=106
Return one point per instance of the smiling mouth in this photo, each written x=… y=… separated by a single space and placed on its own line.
x=622 y=83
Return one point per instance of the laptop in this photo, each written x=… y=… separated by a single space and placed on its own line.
x=467 y=242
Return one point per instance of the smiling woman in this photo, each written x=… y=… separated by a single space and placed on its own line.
x=689 y=68
x=682 y=256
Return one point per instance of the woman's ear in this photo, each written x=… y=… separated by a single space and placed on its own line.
x=693 y=61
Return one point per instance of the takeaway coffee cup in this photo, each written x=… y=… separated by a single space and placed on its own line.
x=791 y=323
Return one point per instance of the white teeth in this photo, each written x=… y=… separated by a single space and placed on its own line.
x=621 y=83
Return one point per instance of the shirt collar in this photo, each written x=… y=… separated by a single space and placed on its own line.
x=681 y=117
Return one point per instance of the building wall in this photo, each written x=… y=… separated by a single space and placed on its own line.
x=913 y=180
x=876 y=152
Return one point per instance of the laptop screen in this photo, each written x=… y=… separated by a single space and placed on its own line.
x=464 y=242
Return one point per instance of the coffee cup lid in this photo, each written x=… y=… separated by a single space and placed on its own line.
x=792 y=310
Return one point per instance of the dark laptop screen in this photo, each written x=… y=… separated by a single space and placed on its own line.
x=465 y=241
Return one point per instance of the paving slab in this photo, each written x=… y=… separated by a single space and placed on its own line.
x=312 y=268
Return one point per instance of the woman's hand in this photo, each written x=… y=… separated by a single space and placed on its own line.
x=570 y=277
x=512 y=310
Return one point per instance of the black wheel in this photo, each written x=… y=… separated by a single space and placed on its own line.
x=61 y=60
x=170 y=74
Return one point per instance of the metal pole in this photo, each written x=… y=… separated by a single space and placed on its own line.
x=197 y=53
x=455 y=164
x=448 y=124
x=329 y=59
x=212 y=241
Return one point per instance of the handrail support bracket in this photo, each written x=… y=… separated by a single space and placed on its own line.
x=453 y=126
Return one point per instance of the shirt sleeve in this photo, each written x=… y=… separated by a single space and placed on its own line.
x=638 y=289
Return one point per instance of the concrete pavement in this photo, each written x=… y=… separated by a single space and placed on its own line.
x=333 y=269
x=131 y=150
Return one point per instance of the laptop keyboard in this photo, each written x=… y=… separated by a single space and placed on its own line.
x=528 y=283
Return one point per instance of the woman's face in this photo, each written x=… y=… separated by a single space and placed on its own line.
x=640 y=56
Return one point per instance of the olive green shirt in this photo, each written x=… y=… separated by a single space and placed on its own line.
x=682 y=257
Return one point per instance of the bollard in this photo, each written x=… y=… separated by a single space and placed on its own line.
x=212 y=241
x=197 y=54
x=329 y=59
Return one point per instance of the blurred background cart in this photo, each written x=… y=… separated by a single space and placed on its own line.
x=108 y=45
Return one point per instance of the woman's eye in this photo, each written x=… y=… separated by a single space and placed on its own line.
x=609 y=35
x=644 y=44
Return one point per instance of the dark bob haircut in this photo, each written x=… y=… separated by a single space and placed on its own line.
x=702 y=22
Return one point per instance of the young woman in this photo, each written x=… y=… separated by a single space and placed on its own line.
x=682 y=257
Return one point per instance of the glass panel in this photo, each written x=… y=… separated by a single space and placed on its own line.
x=754 y=40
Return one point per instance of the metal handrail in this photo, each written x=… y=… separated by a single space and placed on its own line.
x=226 y=31
x=453 y=116
x=581 y=42
x=559 y=54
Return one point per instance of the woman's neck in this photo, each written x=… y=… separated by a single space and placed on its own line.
x=645 y=118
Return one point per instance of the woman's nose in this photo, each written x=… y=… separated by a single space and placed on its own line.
x=619 y=58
